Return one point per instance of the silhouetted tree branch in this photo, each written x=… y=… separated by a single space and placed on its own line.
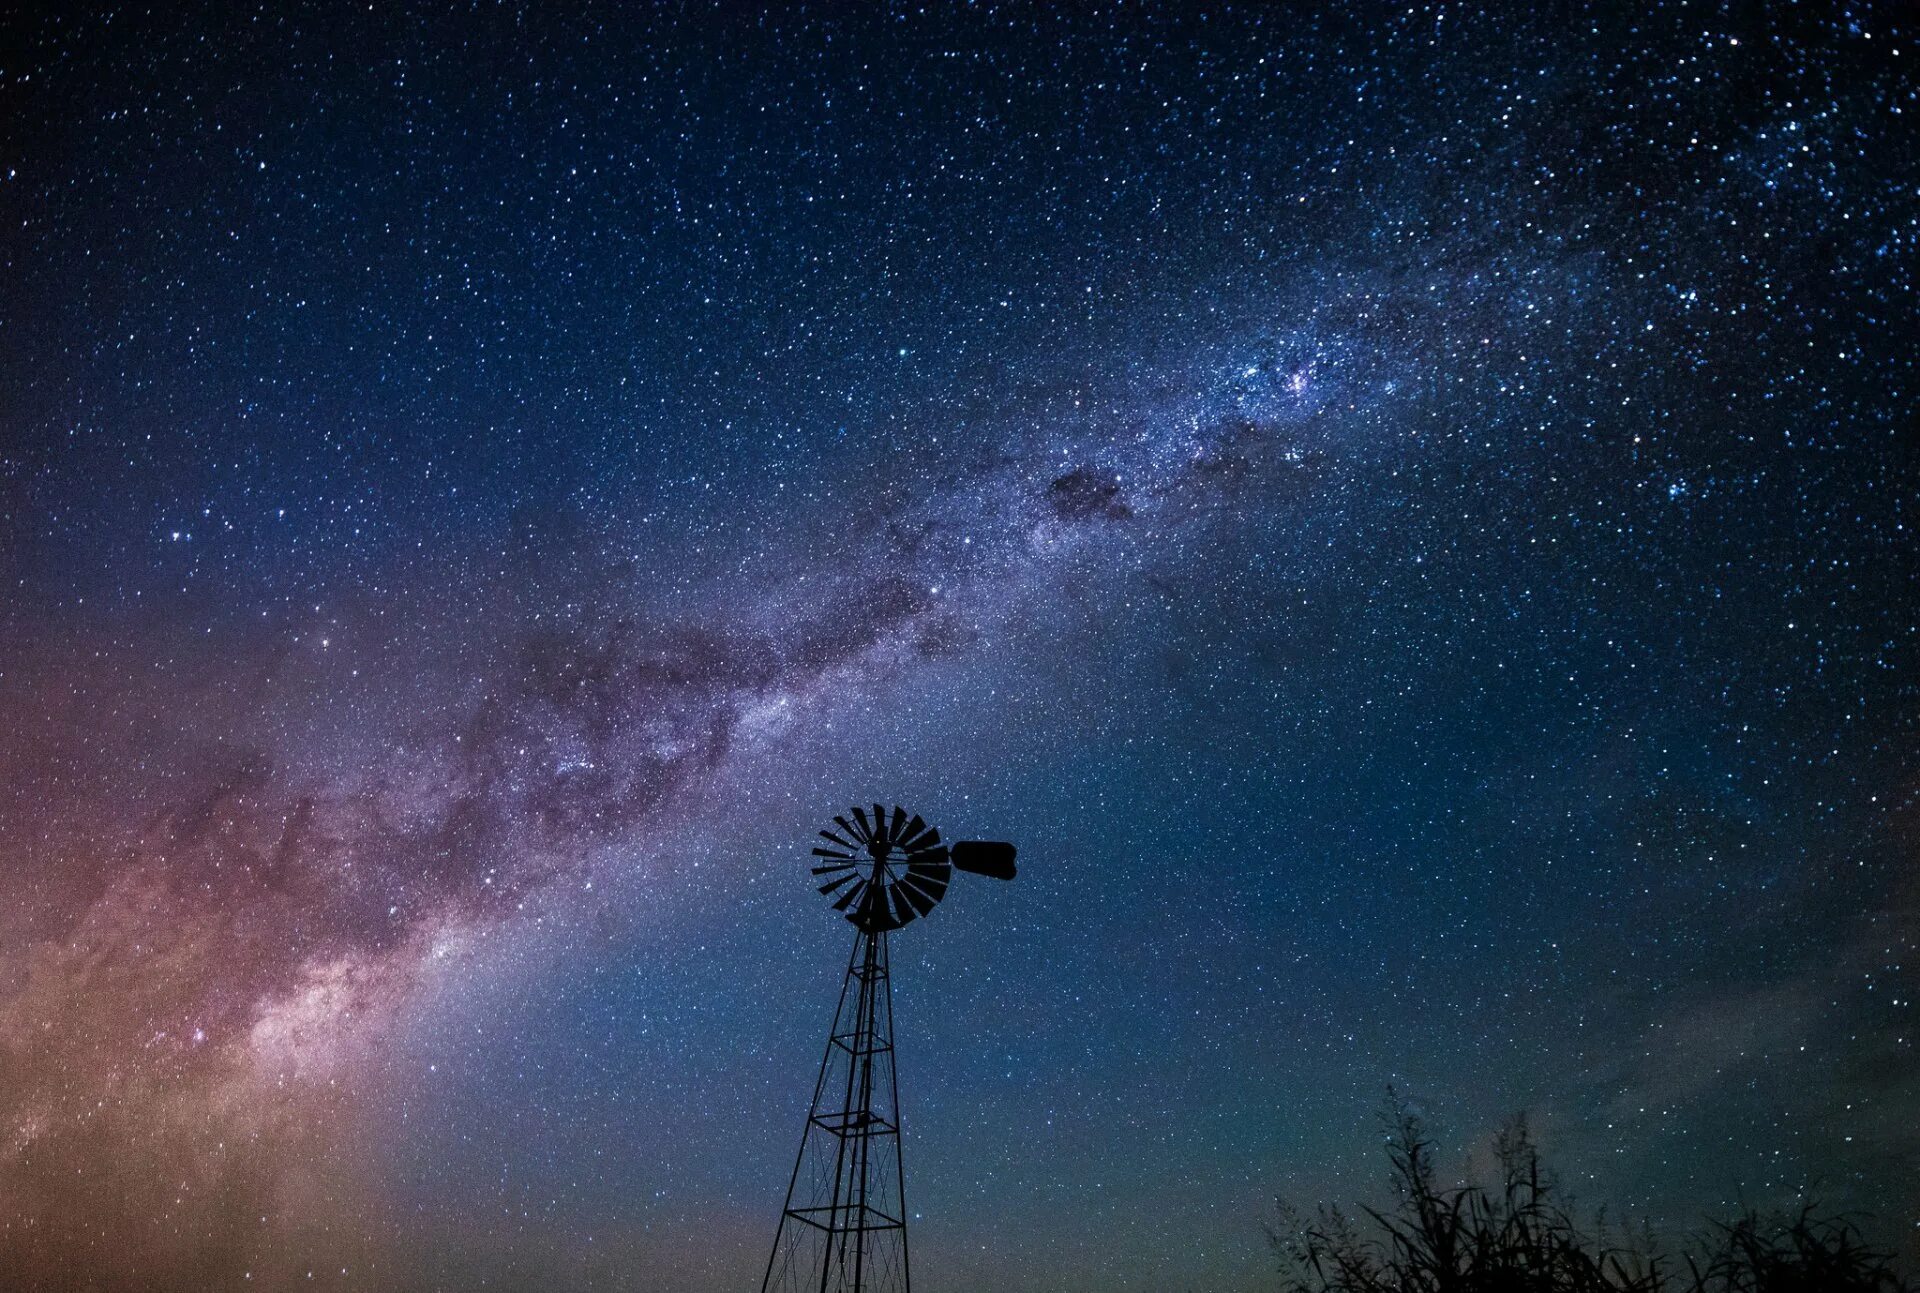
x=1522 y=1237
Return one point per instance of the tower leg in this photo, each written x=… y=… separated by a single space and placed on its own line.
x=844 y=1226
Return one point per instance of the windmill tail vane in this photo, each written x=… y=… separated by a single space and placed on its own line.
x=844 y=1226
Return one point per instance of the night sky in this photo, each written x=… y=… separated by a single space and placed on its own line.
x=1405 y=515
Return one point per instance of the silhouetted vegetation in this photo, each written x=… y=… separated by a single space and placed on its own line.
x=1522 y=1237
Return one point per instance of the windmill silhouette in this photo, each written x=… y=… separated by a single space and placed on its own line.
x=844 y=1226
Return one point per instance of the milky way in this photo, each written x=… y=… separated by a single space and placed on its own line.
x=1406 y=517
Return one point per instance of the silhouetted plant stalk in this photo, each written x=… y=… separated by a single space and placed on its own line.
x=1520 y=1237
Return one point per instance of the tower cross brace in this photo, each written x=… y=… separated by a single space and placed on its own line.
x=844 y=1226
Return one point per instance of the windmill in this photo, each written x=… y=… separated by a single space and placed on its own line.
x=844 y=1227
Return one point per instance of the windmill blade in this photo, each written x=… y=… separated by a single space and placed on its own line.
x=930 y=884
x=922 y=902
x=912 y=833
x=851 y=896
x=899 y=824
x=903 y=911
x=866 y=831
x=931 y=840
x=832 y=853
x=930 y=861
x=985 y=857
x=831 y=885
x=845 y=844
x=880 y=823
x=831 y=868
x=849 y=828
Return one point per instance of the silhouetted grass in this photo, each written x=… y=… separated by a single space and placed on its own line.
x=1519 y=1237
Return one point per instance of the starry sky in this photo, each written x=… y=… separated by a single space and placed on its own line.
x=1405 y=515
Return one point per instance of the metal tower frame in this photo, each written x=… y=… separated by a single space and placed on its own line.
x=844 y=1226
